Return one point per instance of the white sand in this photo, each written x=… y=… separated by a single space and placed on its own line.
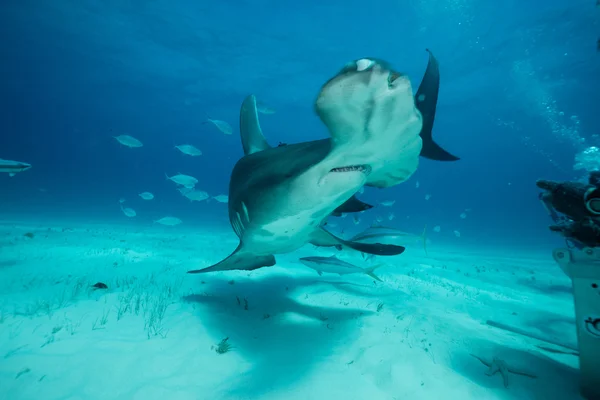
x=153 y=333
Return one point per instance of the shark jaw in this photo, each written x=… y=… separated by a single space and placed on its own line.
x=366 y=169
x=344 y=179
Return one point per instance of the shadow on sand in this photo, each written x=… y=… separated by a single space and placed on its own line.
x=271 y=324
x=545 y=288
x=554 y=380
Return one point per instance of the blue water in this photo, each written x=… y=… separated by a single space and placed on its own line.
x=75 y=73
x=519 y=101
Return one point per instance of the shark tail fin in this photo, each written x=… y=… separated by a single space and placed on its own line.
x=426 y=102
x=323 y=238
x=253 y=139
x=424 y=237
x=239 y=260
x=370 y=271
x=353 y=204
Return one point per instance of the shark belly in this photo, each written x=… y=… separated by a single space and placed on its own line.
x=280 y=236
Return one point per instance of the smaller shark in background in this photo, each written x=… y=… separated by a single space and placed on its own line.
x=12 y=167
x=334 y=265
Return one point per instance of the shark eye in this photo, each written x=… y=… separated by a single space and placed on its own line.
x=358 y=66
x=364 y=64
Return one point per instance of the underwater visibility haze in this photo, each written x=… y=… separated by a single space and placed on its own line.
x=392 y=180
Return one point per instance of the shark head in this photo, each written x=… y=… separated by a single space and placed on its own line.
x=366 y=93
x=370 y=111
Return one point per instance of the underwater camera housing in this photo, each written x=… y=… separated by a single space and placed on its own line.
x=575 y=210
x=583 y=267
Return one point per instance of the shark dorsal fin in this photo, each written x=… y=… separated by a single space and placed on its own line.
x=426 y=101
x=253 y=139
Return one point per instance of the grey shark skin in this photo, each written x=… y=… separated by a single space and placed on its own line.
x=12 y=167
x=279 y=197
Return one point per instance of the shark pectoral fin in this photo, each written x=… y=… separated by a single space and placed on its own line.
x=377 y=249
x=239 y=260
x=426 y=102
x=350 y=206
x=253 y=139
x=323 y=238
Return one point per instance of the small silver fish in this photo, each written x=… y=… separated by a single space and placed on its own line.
x=387 y=203
x=221 y=125
x=146 y=195
x=221 y=198
x=128 y=141
x=196 y=195
x=334 y=265
x=129 y=212
x=189 y=150
x=168 y=221
x=183 y=180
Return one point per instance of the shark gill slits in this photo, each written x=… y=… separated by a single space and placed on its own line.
x=245 y=210
x=238 y=226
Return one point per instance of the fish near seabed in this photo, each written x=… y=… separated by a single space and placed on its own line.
x=279 y=197
x=13 y=167
x=168 y=221
x=334 y=265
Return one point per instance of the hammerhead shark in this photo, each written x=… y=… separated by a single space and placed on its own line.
x=279 y=197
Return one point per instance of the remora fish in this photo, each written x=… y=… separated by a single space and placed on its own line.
x=334 y=265
x=12 y=167
x=279 y=197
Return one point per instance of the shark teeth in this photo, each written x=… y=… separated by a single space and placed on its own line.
x=362 y=168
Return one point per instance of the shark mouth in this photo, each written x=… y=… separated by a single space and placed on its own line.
x=361 y=168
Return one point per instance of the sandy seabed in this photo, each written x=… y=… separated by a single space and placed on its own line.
x=277 y=333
